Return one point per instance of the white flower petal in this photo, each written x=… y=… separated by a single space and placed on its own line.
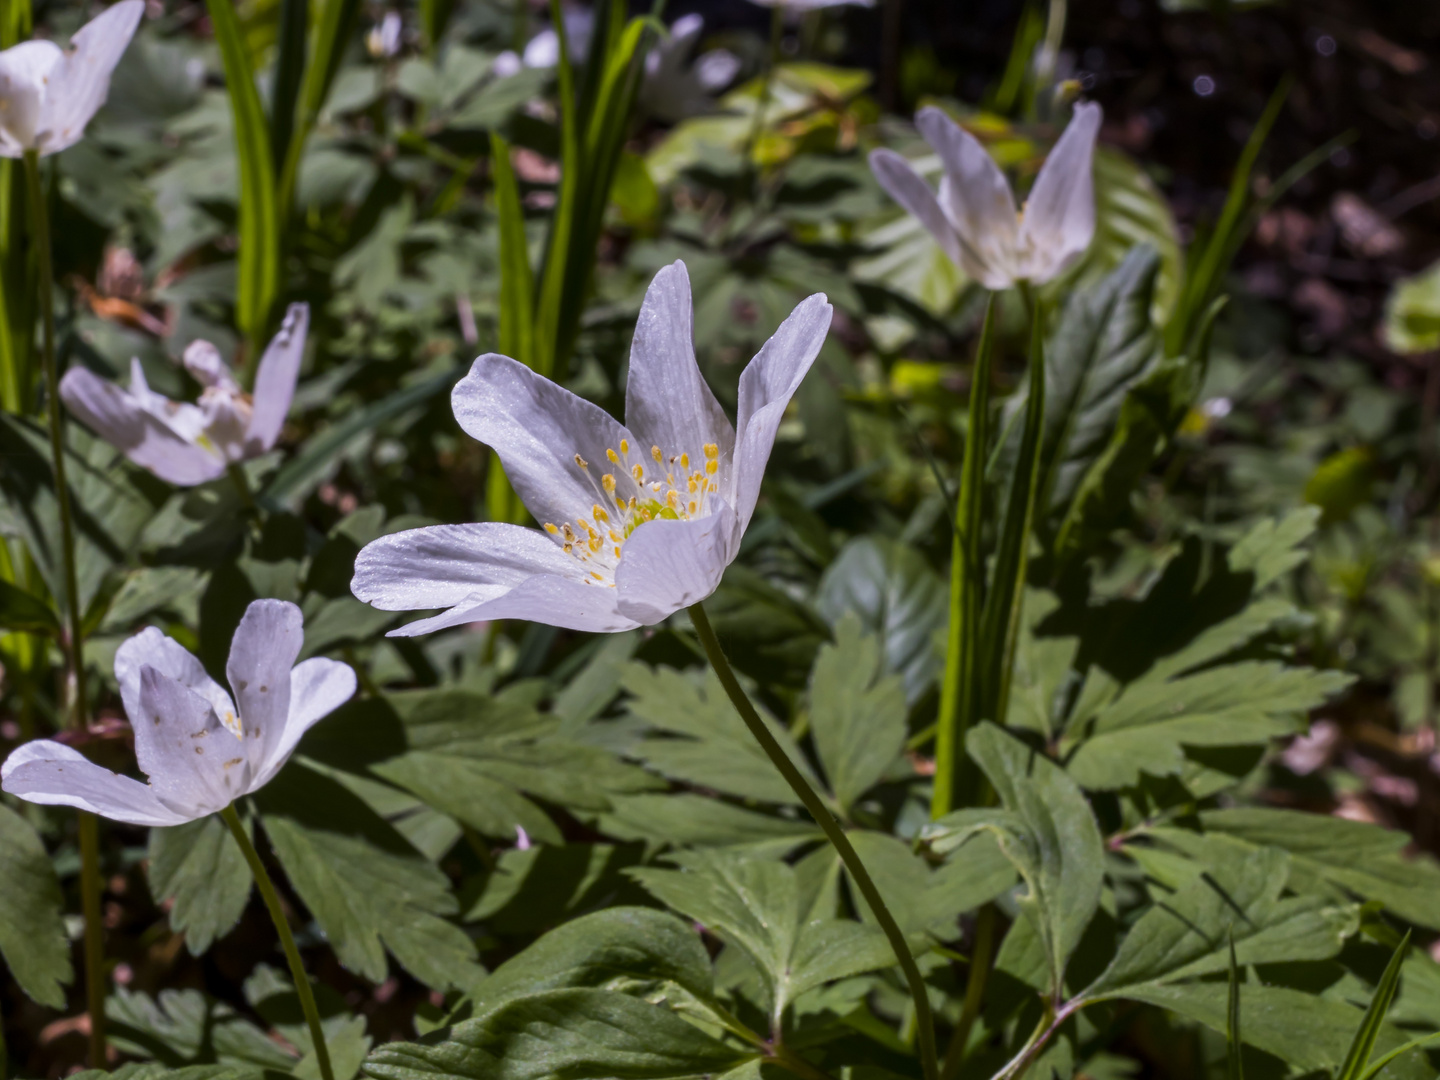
x=670 y=564
x=262 y=652
x=196 y=765
x=317 y=688
x=976 y=198
x=766 y=386
x=122 y=421
x=537 y=428
x=908 y=188
x=52 y=774
x=1060 y=213
x=26 y=72
x=667 y=403
x=170 y=658
x=444 y=565
x=83 y=81
x=275 y=378
x=555 y=601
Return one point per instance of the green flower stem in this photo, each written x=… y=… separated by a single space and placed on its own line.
x=772 y=60
x=287 y=940
x=94 y=934
x=836 y=835
x=74 y=644
x=41 y=214
x=974 y=992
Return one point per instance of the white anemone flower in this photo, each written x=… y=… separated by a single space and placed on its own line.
x=974 y=219
x=190 y=444
x=200 y=748
x=48 y=94
x=674 y=88
x=641 y=519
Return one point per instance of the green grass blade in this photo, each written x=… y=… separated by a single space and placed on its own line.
x=957 y=693
x=1000 y=623
x=332 y=30
x=289 y=72
x=1234 y=1064
x=1379 y=1063
x=1213 y=260
x=562 y=223
x=17 y=295
x=259 y=256
x=16 y=22
x=1363 y=1045
x=517 y=284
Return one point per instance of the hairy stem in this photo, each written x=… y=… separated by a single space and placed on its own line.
x=833 y=832
x=74 y=643
x=287 y=940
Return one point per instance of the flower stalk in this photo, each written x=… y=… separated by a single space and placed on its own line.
x=74 y=646
x=925 y=1023
x=287 y=939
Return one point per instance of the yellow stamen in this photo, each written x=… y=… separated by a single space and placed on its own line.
x=638 y=473
x=625 y=446
x=712 y=451
x=672 y=499
x=608 y=483
x=655 y=453
x=614 y=457
x=551 y=529
x=684 y=461
x=600 y=514
x=712 y=467
x=581 y=462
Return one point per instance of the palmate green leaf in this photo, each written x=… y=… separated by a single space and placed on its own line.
x=1234 y=905
x=755 y=905
x=690 y=820
x=151 y=1070
x=633 y=949
x=200 y=867
x=32 y=926
x=1047 y=831
x=366 y=887
x=700 y=739
x=1310 y=1033
x=1328 y=853
x=461 y=788
x=857 y=713
x=898 y=597
x=258 y=274
x=184 y=1027
x=581 y=1034
x=1147 y=728
x=542 y=885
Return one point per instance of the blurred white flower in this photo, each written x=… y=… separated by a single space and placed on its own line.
x=48 y=94
x=649 y=514
x=383 y=40
x=974 y=218
x=200 y=751
x=508 y=63
x=674 y=88
x=189 y=444
x=543 y=50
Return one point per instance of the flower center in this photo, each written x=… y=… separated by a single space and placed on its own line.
x=631 y=493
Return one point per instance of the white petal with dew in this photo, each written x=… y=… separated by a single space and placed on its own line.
x=317 y=688
x=275 y=379
x=667 y=403
x=555 y=601
x=976 y=197
x=444 y=565
x=538 y=428
x=262 y=652
x=1060 y=213
x=52 y=774
x=27 y=71
x=670 y=564
x=196 y=765
x=170 y=658
x=766 y=386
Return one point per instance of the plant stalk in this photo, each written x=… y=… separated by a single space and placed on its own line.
x=772 y=61
x=89 y=829
x=975 y=983
x=94 y=934
x=833 y=832
x=287 y=940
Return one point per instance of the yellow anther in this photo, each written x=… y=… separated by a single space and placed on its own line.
x=595 y=543
x=655 y=453
x=581 y=462
x=625 y=446
x=596 y=576
x=672 y=500
x=714 y=485
x=670 y=478
x=608 y=483
x=638 y=473
x=712 y=467
x=684 y=461
x=599 y=512
x=692 y=484
x=612 y=536
x=693 y=507
x=617 y=552
x=614 y=457
x=569 y=533
x=551 y=529
x=569 y=549
x=712 y=451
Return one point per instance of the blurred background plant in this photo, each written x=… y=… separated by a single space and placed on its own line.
x=1255 y=504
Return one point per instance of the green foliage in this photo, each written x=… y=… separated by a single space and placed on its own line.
x=200 y=868
x=32 y=931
